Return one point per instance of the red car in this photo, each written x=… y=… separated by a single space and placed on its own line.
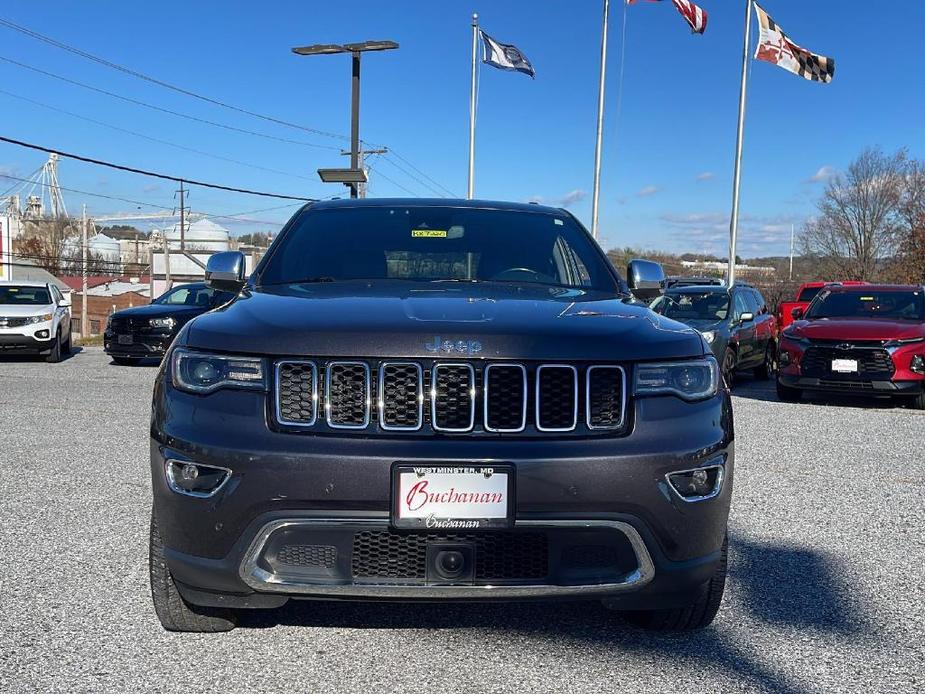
x=867 y=340
x=805 y=294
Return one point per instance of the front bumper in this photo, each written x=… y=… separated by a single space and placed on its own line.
x=856 y=386
x=143 y=345
x=23 y=343
x=330 y=487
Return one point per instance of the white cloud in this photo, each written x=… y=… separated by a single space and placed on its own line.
x=822 y=175
x=705 y=176
x=572 y=197
x=648 y=191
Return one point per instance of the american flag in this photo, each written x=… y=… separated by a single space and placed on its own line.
x=695 y=16
x=774 y=46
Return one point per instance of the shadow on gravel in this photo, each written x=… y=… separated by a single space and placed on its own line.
x=777 y=585
x=765 y=391
x=30 y=358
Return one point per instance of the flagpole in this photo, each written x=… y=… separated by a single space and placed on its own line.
x=791 y=250
x=737 y=174
x=470 y=191
x=596 y=196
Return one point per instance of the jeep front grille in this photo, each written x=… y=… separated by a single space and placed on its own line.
x=433 y=397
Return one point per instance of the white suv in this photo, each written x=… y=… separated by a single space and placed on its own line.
x=35 y=318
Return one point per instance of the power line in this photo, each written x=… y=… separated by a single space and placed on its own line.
x=168 y=111
x=414 y=178
x=393 y=181
x=236 y=217
x=439 y=185
x=134 y=73
x=153 y=139
x=152 y=174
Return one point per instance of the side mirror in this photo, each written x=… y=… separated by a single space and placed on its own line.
x=65 y=300
x=746 y=317
x=225 y=271
x=797 y=313
x=645 y=278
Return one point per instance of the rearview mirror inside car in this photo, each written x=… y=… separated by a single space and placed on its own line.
x=646 y=279
x=225 y=271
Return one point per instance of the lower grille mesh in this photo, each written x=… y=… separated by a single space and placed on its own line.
x=498 y=556
x=324 y=556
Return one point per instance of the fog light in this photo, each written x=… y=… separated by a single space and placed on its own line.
x=784 y=358
x=918 y=364
x=698 y=484
x=193 y=479
x=42 y=334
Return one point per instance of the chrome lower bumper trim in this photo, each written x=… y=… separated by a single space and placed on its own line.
x=261 y=580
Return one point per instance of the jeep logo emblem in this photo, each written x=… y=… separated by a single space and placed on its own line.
x=439 y=345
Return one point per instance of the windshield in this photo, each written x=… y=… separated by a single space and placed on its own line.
x=893 y=305
x=24 y=296
x=438 y=243
x=712 y=306
x=193 y=295
x=809 y=294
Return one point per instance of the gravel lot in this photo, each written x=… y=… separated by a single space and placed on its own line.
x=826 y=589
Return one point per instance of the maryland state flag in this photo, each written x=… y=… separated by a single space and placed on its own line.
x=775 y=47
x=695 y=16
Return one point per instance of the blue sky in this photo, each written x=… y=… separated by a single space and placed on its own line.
x=668 y=149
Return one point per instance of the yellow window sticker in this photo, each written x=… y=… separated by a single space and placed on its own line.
x=867 y=298
x=428 y=233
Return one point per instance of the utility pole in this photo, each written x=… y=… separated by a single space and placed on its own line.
x=182 y=220
x=362 y=154
x=84 y=318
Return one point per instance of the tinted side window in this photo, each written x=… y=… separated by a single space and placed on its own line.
x=740 y=305
x=760 y=307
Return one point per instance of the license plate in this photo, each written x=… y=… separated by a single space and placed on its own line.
x=124 y=339
x=845 y=366
x=452 y=497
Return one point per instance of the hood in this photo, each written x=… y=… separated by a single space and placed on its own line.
x=404 y=319
x=158 y=310
x=857 y=329
x=20 y=310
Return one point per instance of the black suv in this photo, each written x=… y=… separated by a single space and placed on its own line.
x=438 y=400
x=133 y=334
x=736 y=322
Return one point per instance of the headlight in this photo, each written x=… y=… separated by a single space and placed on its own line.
x=161 y=322
x=689 y=380
x=793 y=338
x=44 y=318
x=709 y=336
x=197 y=372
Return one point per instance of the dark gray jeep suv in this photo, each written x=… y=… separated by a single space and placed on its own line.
x=438 y=400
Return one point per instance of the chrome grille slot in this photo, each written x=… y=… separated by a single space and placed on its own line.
x=296 y=393
x=347 y=396
x=505 y=401
x=556 y=397
x=605 y=397
x=401 y=396
x=452 y=397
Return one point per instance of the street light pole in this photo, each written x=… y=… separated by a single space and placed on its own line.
x=353 y=176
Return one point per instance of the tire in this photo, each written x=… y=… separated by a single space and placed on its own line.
x=126 y=361
x=174 y=613
x=788 y=394
x=697 y=615
x=54 y=356
x=918 y=402
x=66 y=347
x=729 y=367
x=768 y=367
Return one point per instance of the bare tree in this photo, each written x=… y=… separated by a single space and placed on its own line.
x=858 y=226
x=911 y=260
x=45 y=242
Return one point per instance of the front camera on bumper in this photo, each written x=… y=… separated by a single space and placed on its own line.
x=193 y=479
